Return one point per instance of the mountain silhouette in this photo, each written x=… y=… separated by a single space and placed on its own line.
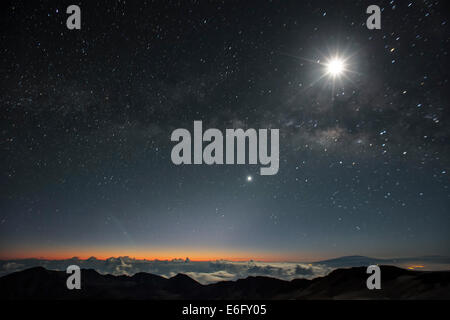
x=352 y=261
x=357 y=261
x=41 y=284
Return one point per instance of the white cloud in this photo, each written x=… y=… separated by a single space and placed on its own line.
x=220 y=270
x=203 y=271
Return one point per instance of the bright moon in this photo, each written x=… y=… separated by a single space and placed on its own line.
x=249 y=178
x=335 y=67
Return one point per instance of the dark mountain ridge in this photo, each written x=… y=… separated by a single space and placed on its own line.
x=41 y=284
x=357 y=261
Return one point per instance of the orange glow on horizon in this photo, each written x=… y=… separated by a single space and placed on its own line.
x=153 y=254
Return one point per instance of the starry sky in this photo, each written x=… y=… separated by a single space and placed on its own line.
x=87 y=117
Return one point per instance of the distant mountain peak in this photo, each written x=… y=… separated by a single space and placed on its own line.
x=182 y=277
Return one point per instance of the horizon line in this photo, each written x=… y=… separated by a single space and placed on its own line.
x=231 y=259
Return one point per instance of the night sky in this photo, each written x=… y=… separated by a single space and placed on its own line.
x=87 y=117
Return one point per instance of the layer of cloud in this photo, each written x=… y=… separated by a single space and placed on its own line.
x=203 y=271
x=221 y=270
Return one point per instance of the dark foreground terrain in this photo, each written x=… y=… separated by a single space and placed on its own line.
x=40 y=283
